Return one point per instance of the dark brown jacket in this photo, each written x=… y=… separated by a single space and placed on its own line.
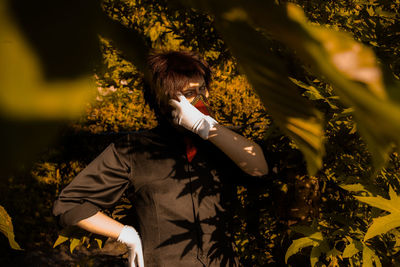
x=184 y=210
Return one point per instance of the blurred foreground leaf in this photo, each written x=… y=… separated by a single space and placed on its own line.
x=6 y=228
x=43 y=80
x=25 y=92
x=349 y=66
x=48 y=54
x=293 y=113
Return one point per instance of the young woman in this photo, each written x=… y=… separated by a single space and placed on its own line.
x=182 y=173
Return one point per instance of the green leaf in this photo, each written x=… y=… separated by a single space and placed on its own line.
x=32 y=95
x=305 y=230
x=312 y=239
x=314 y=256
x=61 y=239
x=351 y=249
x=324 y=246
x=99 y=242
x=297 y=245
x=382 y=225
x=396 y=234
x=333 y=253
x=381 y=203
x=369 y=256
x=377 y=260
x=385 y=223
x=74 y=243
x=393 y=196
x=317 y=236
x=354 y=187
x=7 y=229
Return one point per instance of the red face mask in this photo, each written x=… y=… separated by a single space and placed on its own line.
x=201 y=103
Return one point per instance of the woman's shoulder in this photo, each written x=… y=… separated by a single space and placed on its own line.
x=143 y=139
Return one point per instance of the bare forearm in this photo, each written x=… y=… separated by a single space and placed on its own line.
x=101 y=224
x=244 y=152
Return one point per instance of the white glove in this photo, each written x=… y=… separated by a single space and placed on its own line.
x=131 y=239
x=188 y=116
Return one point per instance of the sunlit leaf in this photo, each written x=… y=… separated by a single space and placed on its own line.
x=333 y=253
x=354 y=187
x=74 y=243
x=298 y=244
x=385 y=223
x=369 y=257
x=351 y=249
x=314 y=255
x=99 y=242
x=382 y=225
x=377 y=260
x=393 y=196
x=381 y=203
x=61 y=239
x=6 y=228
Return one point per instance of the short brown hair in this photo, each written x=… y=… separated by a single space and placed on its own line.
x=172 y=71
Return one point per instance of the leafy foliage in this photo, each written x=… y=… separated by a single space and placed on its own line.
x=77 y=237
x=305 y=70
x=359 y=85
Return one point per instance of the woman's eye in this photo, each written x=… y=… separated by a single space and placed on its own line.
x=188 y=94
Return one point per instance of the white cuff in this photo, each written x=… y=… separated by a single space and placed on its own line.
x=127 y=235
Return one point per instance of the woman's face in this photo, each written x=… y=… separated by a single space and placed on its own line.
x=196 y=86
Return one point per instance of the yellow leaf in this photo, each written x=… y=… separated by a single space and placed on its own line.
x=74 y=243
x=61 y=239
x=24 y=91
x=6 y=228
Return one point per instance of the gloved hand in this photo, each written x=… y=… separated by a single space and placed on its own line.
x=186 y=115
x=131 y=239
